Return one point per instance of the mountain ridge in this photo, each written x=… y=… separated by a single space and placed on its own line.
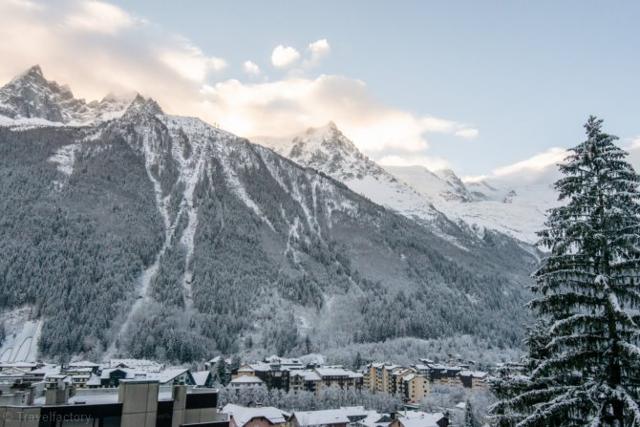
x=161 y=236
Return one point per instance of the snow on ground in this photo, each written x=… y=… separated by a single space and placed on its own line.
x=515 y=207
x=64 y=158
x=22 y=336
x=26 y=123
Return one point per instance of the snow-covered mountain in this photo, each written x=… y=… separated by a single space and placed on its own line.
x=327 y=150
x=515 y=207
x=151 y=235
x=31 y=99
x=436 y=198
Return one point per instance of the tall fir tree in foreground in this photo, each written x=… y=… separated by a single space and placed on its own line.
x=584 y=354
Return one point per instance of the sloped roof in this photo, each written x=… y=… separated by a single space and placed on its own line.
x=306 y=374
x=420 y=419
x=246 y=379
x=318 y=418
x=201 y=377
x=242 y=415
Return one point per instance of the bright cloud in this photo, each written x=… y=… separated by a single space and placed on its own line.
x=284 y=56
x=97 y=48
x=534 y=164
x=467 y=133
x=295 y=104
x=99 y=17
x=190 y=62
x=123 y=53
x=531 y=169
x=251 y=68
x=318 y=49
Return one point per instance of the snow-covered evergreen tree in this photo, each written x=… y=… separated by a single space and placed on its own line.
x=469 y=418
x=587 y=297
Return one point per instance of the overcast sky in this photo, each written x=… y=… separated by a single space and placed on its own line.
x=475 y=86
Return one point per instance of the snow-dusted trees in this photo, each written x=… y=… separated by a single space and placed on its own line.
x=469 y=418
x=587 y=297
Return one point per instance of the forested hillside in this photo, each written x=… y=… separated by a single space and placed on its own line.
x=159 y=236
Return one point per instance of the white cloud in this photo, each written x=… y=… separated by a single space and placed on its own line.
x=251 y=68
x=67 y=38
x=189 y=61
x=284 y=56
x=99 y=17
x=534 y=168
x=292 y=105
x=139 y=56
x=318 y=49
x=467 y=133
x=537 y=163
x=635 y=143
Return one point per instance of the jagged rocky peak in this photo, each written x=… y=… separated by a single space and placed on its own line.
x=327 y=149
x=458 y=190
x=327 y=138
x=142 y=105
x=31 y=96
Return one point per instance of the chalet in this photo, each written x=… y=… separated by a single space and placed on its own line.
x=246 y=381
x=273 y=375
x=264 y=416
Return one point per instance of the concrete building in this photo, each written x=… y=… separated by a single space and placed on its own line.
x=135 y=403
x=413 y=387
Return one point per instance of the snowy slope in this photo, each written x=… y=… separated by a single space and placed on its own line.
x=186 y=226
x=513 y=206
x=326 y=149
x=416 y=192
x=22 y=334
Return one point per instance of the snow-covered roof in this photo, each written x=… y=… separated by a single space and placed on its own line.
x=260 y=367
x=334 y=372
x=138 y=364
x=129 y=373
x=83 y=364
x=166 y=375
x=354 y=411
x=420 y=419
x=242 y=415
x=306 y=374
x=47 y=370
x=200 y=377
x=94 y=380
x=409 y=377
x=318 y=418
x=282 y=360
x=246 y=379
x=474 y=374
